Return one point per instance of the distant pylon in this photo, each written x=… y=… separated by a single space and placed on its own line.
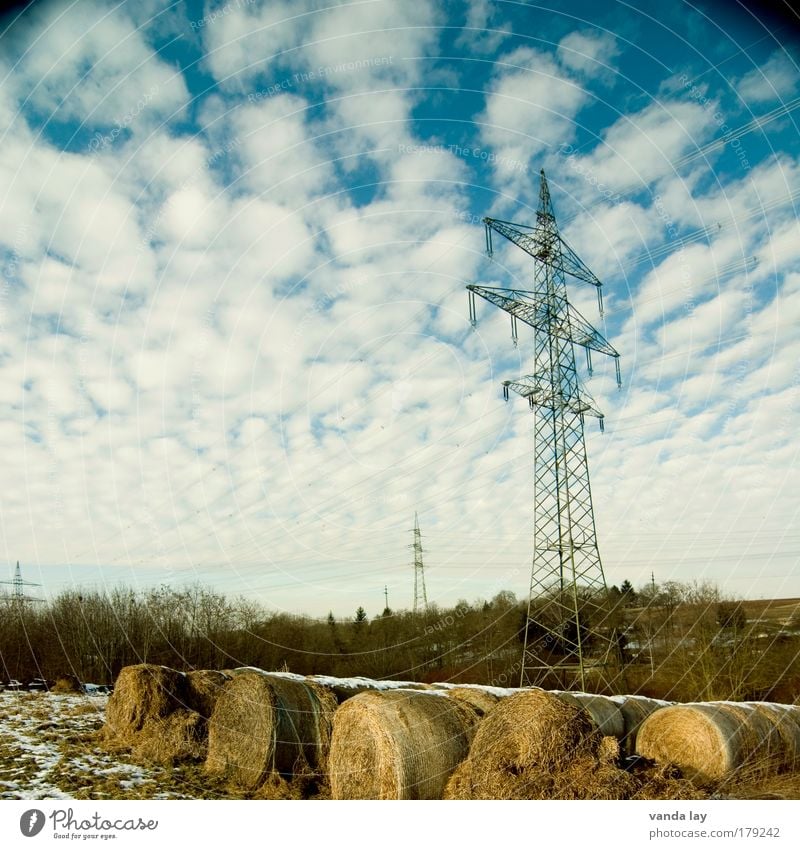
x=420 y=595
x=18 y=592
x=566 y=629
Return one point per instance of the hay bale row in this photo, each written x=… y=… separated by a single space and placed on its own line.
x=709 y=741
x=278 y=725
x=615 y=716
x=265 y=725
x=537 y=745
x=162 y=714
x=398 y=744
x=265 y=732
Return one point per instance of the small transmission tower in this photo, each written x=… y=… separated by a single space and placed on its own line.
x=420 y=595
x=565 y=632
x=18 y=596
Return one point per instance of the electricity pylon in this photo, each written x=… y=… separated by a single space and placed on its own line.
x=18 y=596
x=566 y=630
x=420 y=595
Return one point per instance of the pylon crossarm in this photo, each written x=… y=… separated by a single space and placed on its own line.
x=565 y=260
x=582 y=333
x=537 y=312
x=539 y=392
x=524 y=305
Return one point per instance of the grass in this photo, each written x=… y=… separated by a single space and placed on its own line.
x=51 y=746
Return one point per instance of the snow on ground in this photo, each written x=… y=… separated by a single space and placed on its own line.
x=50 y=749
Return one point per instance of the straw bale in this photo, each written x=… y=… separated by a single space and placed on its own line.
x=181 y=736
x=534 y=745
x=67 y=683
x=605 y=714
x=708 y=741
x=398 y=744
x=143 y=694
x=635 y=709
x=264 y=724
x=761 y=737
x=203 y=687
x=786 y=720
x=480 y=700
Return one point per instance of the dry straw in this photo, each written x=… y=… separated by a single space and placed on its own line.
x=203 y=688
x=181 y=736
x=709 y=741
x=67 y=683
x=480 y=700
x=635 y=709
x=786 y=720
x=534 y=745
x=143 y=694
x=604 y=713
x=161 y=714
x=398 y=744
x=264 y=724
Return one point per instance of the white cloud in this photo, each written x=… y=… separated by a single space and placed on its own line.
x=532 y=106
x=776 y=79
x=88 y=63
x=484 y=31
x=244 y=42
x=643 y=146
x=277 y=151
x=587 y=52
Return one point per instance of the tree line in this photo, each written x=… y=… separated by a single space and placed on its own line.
x=680 y=641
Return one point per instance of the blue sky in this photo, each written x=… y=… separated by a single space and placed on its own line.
x=235 y=340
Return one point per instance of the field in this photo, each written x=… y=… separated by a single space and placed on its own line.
x=50 y=748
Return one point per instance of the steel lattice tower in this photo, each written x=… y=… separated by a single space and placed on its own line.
x=566 y=631
x=18 y=596
x=420 y=595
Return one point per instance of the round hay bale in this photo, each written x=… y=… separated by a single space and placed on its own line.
x=707 y=741
x=142 y=694
x=786 y=720
x=533 y=745
x=762 y=740
x=605 y=714
x=203 y=687
x=635 y=709
x=181 y=736
x=398 y=744
x=66 y=683
x=266 y=723
x=479 y=700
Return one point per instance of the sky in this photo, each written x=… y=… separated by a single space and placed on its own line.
x=234 y=338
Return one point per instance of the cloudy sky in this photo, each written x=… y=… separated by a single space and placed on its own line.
x=235 y=240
